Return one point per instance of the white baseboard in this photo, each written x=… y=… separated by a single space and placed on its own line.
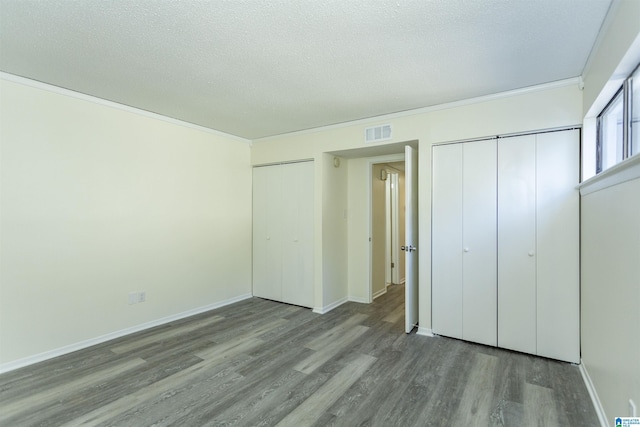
x=30 y=360
x=358 y=300
x=380 y=293
x=425 y=332
x=328 y=308
x=597 y=405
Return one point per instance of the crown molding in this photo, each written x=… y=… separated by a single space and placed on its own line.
x=93 y=99
x=574 y=81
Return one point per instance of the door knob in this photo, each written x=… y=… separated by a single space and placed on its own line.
x=530 y=253
x=466 y=249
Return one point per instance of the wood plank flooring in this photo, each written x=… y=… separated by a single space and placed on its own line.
x=262 y=363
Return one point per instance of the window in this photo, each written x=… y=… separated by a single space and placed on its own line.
x=619 y=125
x=611 y=121
x=634 y=82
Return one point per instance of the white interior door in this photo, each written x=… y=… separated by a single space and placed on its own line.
x=411 y=238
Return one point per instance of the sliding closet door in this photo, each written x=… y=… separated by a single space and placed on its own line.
x=517 y=243
x=447 y=240
x=479 y=263
x=558 y=224
x=297 y=222
x=267 y=232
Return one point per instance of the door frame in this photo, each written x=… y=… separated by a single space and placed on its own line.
x=370 y=162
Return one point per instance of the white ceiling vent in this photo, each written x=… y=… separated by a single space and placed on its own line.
x=377 y=133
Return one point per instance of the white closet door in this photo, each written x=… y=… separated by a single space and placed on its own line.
x=267 y=232
x=558 y=288
x=517 y=243
x=297 y=220
x=479 y=263
x=447 y=240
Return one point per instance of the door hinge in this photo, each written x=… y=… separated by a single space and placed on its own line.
x=393 y=265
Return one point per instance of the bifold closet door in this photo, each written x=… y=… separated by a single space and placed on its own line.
x=558 y=233
x=297 y=223
x=446 y=235
x=464 y=241
x=538 y=244
x=517 y=243
x=267 y=232
x=479 y=252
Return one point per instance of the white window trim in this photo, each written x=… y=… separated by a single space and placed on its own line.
x=626 y=170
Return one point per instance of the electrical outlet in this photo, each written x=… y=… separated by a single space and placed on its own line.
x=633 y=410
x=133 y=298
x=143 y=296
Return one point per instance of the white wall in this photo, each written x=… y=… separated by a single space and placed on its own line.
x=334 y=232
x=610 y=231
x=98 y=202
x=358 y=230
x=611 y=294
x=378 y=230
x=545 y=107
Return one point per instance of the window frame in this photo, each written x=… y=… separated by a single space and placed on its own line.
x=626 y=91
x=631 y=81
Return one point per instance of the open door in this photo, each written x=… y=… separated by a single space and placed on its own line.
x=411 y=238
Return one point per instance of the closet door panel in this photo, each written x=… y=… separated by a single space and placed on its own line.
x=517 y=243
x=297 y=220
x=558 y=291
x=447 y=240
x=479 y=222
x=267 y=232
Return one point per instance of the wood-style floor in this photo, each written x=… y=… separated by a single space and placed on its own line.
x=262 y=363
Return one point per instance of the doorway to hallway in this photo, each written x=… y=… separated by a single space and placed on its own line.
x=387 y=226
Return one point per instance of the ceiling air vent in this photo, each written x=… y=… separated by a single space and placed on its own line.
x=377 y=133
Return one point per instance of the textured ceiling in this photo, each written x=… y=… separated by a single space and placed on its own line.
x=258 y=68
